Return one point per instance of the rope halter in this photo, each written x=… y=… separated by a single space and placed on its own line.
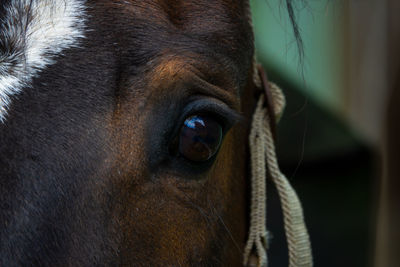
x=263 y=159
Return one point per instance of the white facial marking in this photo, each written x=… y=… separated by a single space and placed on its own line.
x=32 y=33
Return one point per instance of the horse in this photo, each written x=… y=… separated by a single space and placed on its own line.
x=123 y=133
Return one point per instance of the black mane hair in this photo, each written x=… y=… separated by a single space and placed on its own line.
x=295 y=26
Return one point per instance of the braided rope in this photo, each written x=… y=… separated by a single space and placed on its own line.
x=258 y=231
x=262 y=151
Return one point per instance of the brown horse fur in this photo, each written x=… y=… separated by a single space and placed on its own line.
x=86 y=177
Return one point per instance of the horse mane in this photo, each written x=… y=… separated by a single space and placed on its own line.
x=296 y=30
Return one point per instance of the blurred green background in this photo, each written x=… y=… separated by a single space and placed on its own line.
x=328 y=159
x=320 y=25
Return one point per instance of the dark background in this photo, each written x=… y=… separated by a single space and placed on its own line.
x=334 y=174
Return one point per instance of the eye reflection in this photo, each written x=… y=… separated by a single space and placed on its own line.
x=200 y=138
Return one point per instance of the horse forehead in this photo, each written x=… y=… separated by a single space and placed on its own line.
x=182 y=10
x=219 y=30
x=32 y=34
x=220 y=23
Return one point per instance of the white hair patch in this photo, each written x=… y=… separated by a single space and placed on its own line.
x=32 y=33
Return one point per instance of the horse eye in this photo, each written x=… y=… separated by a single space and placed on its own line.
x=200 y=138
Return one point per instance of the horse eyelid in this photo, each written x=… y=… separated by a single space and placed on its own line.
x=212 y=107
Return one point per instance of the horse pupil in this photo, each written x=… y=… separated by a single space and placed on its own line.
x=200 y=138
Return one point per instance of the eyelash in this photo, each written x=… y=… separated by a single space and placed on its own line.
x=213 y=108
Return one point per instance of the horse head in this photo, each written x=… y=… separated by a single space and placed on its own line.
x=123 y=134
x=123 y=131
